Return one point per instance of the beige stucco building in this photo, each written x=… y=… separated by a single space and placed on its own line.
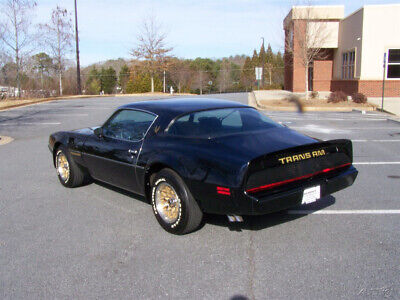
x=352 y=49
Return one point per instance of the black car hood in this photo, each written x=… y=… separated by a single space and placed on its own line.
x=254 y=144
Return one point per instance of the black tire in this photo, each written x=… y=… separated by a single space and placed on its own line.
x=189 y=216
x=77 y=176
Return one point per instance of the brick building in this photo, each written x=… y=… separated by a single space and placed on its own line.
x=351 y=49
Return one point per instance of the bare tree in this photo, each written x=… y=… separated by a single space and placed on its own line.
x=200 y=80
x=180 y=74
x=3 y=58
x=58 y=35
x=223 y=77
x=15 y=31
x=304 y=42
x=152 y=48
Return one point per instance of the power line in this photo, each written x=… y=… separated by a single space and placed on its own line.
x=180 y=71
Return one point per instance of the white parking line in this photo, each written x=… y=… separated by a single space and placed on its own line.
x=377 y=163
x=69 y=115
x=334 y=119
x=345 y=212
x=312 y=127
x=379 y=141
x=15 y=124
x=114 y=107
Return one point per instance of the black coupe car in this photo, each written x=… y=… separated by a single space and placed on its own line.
x=190 y=156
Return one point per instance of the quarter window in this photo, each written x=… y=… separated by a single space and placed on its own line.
x=348 y=63
x=129 y=125
x=393 y=66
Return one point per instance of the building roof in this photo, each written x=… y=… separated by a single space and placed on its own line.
x=316 y=12
x=374 y=6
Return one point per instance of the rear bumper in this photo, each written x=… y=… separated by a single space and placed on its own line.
x=294 y=197
x=246 y=204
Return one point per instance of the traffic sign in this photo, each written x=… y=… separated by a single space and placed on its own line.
x=258 y=73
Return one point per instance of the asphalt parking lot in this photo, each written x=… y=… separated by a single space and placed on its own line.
x=96 y=242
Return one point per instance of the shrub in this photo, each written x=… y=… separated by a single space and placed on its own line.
x=337 y=97
x=274 y=86
x=359 y=98
x=314 y=95
x=94 y=87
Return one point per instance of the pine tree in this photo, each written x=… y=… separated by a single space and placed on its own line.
x=123 y=78
x=279 y=60
x=140 y=82
x=279 y=69
x=130 y=87
x=93 y=83
x=255 y=61
x=247 y=75
x=108 y=80
x=269 y=57
x=269 y=63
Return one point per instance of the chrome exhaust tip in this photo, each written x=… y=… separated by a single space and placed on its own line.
x=235 y=218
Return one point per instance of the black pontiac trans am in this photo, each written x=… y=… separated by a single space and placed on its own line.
x=190 y=156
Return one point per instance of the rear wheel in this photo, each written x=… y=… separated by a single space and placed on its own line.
x=173 y=205
x=68 y=172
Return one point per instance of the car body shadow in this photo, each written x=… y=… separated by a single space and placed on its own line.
x=269 y=220
x=249 y=222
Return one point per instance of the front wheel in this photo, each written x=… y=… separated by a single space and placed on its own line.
x=68 y=172
x=173 y=205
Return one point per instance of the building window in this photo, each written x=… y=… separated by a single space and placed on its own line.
x=348 y=62
x=393 y=65
x=289 y=41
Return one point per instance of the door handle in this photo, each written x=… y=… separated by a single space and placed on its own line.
x=133 y=152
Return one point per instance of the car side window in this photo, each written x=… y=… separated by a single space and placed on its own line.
x=128 y=124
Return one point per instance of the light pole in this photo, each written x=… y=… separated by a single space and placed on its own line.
x=78 y=67
x=262 y=63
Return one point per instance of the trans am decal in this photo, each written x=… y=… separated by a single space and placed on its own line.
x=303 y=156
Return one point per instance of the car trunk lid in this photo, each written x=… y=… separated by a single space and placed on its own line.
x=295 y=165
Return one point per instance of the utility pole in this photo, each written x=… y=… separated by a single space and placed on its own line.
x=201 y=84
x=383 y=81
x=78 y=67
x=164 y=82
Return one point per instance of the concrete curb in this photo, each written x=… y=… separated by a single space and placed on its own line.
x=394 y=120
x=252 y=100
x=313 y=108
x=42 y=100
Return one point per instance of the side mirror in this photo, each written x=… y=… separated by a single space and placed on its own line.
x=98 y=132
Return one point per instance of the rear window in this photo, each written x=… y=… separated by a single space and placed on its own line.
x=220 y=122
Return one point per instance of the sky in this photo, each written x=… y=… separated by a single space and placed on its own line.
x=202 y=28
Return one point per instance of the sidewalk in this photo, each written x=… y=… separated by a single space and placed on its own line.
x=391 y=105
x=279 y=100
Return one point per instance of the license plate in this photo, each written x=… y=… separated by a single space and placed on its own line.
x=311 y=194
